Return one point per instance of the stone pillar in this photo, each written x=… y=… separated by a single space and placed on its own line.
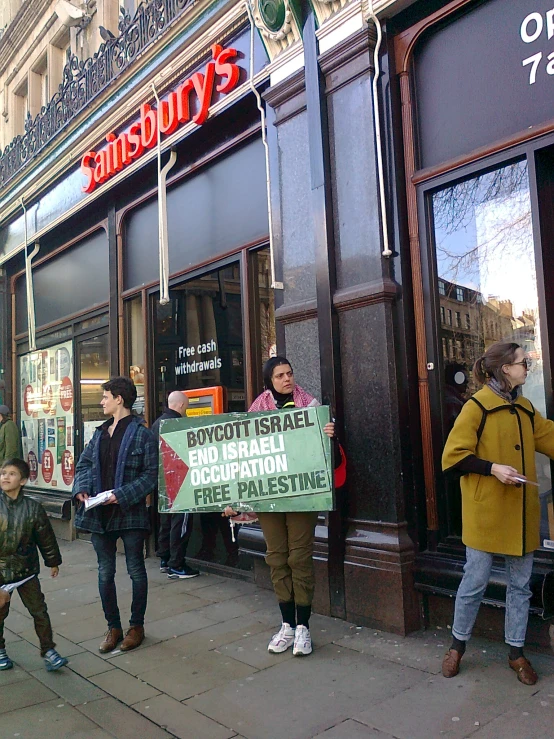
x=379 y=552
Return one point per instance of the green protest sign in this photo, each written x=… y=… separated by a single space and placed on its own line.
x=270 y=461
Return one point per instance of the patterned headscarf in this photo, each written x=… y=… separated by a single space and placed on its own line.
x=266 y=402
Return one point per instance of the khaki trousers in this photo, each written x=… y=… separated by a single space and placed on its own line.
x=289 y=539
x=33 y=600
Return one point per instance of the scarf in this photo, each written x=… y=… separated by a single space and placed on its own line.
x=510 y=396
x=266 y=402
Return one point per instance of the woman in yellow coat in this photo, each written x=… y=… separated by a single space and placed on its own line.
x=493 y=444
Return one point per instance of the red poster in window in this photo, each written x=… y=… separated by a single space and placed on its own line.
x=27 y=398
x=47 y=466
x=33 y=466
x=66 y=394
x=68 y=467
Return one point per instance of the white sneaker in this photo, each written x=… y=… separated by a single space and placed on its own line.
x=302 y=642
x=282 y=640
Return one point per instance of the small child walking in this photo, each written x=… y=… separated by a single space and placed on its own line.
x=24 y=526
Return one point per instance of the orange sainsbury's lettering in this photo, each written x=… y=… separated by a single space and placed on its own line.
x=183 y=101
x=88 y=171
x=167 y=114
x=135 y=140
x=100 y=171
x=223 y=68
x=221 y=75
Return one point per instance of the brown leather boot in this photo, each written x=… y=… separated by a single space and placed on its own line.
x=113 y=637
x=133 y=638
x=451 y=663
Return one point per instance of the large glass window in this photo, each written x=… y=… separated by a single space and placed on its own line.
x=94 y=369
x=266 y=302
x=199 y=340
x=135 y=350
x=199 y=344
x=486 y=271
x=47 y=416
x=73 y=281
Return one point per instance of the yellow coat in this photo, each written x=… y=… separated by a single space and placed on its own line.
x=498 y=518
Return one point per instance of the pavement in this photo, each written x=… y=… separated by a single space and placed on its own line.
x=203 y=672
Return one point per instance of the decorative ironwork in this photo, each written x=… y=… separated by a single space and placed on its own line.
x=84 y=80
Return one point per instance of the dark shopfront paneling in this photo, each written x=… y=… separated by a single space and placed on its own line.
x=72 y=282
x=219 y=209
x=472 y=85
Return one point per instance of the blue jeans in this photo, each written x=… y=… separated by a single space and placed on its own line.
x=105 y=548
x=477 y=570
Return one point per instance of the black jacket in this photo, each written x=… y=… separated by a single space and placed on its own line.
x=166 y=415
x=24 y=526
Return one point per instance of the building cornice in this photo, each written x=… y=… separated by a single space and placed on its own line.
x=51 y=164
x=17 y=33
x=192 y=17
x=29 y=51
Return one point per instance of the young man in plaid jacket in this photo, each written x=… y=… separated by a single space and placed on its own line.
x=121 y=458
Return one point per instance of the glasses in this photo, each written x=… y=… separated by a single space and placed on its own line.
x=527 y=363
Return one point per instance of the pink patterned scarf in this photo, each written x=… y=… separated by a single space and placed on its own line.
x=266 y=402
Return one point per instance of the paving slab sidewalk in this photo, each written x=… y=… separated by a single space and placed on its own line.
x=204 y=672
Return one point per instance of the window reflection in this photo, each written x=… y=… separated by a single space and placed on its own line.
x=199 y=337
x=135 y=350
x=487 y=293
x=199 y=344
x=266 y=300
x=94 y=369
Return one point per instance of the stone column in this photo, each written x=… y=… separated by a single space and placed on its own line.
x=379 y=552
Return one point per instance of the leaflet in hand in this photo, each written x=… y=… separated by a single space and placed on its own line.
x=527 y=482
x=13 y=585
x=98 y=499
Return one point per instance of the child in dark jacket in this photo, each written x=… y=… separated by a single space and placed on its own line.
x=24 y=526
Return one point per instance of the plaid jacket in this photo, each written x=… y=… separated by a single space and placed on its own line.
x=136 y=475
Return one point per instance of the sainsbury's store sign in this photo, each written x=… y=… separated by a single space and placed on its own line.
x=190 y=101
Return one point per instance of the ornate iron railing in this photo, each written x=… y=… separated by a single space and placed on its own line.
x=84 y=80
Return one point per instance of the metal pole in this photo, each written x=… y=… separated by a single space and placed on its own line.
x=31 y=321
x=163 y=246
x=387 y=251
x=275 y=285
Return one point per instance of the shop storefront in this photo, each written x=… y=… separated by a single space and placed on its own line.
x=96 y=279
x=474 y=81
x=232 y=298
x=384 y=328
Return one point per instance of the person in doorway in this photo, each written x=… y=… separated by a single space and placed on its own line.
x=122 y=459
x=456 y=381
x=10 y=438
x=289 y=537
x=25 y=529
x=175 y=528
x=492 y=445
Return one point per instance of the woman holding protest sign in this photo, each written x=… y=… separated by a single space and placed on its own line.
x=289 y=537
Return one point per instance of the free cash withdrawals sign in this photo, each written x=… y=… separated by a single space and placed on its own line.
x=270 y=461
